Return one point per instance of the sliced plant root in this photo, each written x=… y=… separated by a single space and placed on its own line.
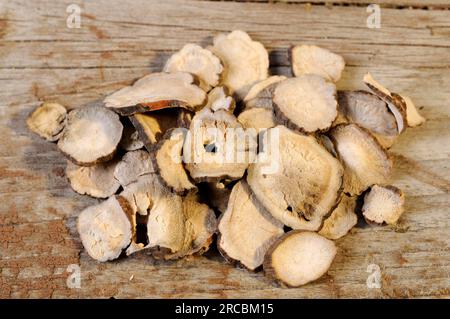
x=106 y=229
x=306 y=103
x=257 y=118
x=327 y=143
x=157 y=91
x=48 y=121
x=246 y=229
x=168 y=160
x=132 y=165
x=298 y=258
x=412 y=115
x=218 y=99
x=383 y=204
x=193 y=59
x=245 y=61
x=311 y=59
x=257 y=90
x=395 y=102
x=365 y=161
x=300 y=181
x=91 y=136
x=140 y=194
x=342 y=219
x=96 y=181
x=130 y=139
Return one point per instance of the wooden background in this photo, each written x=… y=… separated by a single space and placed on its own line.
x=43 y=60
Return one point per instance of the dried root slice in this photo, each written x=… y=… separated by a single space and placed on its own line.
x=257 y=90
x=383 y=204
x=365 y=161
x=306 y=103
x=301 y=182
x=394 y=101
x=311 y=59
x=245 y=61
x=218 y=99
x=48 y=121
x=412 y=115
x=299 y=257
x=157 y=91
x=106 y=229
x=130 y=139
x=192 y=58
x=257 y=118
x=246 y=229
x=141 y=193
x=133 y=165
x=96 y=181
x=91 y=136
x=169 y=164
x=342 y=219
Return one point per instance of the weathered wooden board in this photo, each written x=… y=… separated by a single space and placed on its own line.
x=43 y=60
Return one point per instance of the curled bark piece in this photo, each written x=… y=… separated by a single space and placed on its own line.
x=246 y=229
x=218 y=99
x=311 y=59
x=132 y=165
x=258 y=118
x=193 y=59
x=91 y=136
x=412 y=115
x=298 y=258
x=383 y=204
x=105 y=229
x=303 y=182
x=306 y=103
x=245 y=61
x=48 y=121
x=96 y=181
x=130 y=139
x=342 y=219
x=157 y=91
x=365 y=161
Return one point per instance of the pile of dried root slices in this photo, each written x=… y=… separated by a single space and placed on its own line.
x=306 y=153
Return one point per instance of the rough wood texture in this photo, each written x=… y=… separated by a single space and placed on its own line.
x=43 y=60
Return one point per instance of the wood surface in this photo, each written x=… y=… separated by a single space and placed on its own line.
x=41 y=59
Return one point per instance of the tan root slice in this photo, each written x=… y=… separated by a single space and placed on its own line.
x=246 y=229
x=257 y=118
x=140 y=194
x=157 y=91
x=48 y=121
x=299 y=257
x=365 y=161
x=105 y=229
x=311 y=59
x=132 y=165
x=342 y=219
x=96 y=181
x=218 y=99
x=300 y=182
x=91 y=136
x=306 y=103
x=258 y=88
x=412 y=115
x=130 y=139
x=245 y=61
x=383 y=204
x=193 y=59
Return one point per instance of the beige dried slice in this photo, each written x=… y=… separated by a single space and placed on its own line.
x=306 y=103
x=365 y=161
x=91 y=136
x=141 y=193
x=383 y=204
x=298 y=258
x=132 y=165
x=246 y=229
x=157 y=91
x=413 y=116
x=130 y=139
x=311 y=59
x=342 y=219
x=257 y=118
x=192 y=58
x=218 y=99
x=245 y=61
x=258 y=88
x=96 y=181
x=300 y=182
x=48 y=121
x=106 y=229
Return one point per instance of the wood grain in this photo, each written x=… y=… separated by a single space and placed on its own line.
x=43 y=60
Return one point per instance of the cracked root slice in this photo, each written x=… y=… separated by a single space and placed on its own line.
x=311 y=59
x=299 y=257
x=300 y=183
x=157 y=91
x=192 y=58
x=132 y=165
x=342 y=219
x=106 y=229
x=383 y=204
x=91 y=136
x=246 y=229
x=306 y=103
x=48 y=121
x=365 y=161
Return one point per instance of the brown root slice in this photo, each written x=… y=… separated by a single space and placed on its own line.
x=48 y=121
x=383 y=204
x=341 y=220
x=132 y=165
